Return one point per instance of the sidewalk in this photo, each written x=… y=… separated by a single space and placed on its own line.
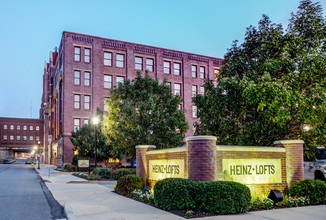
x=85 y=200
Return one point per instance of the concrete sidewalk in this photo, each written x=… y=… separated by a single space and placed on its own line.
x=85 y=200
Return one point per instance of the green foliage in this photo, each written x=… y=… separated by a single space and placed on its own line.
x=271 y=85
x=75 y=160
x=256 y=204
x=102 y=172
x=223 y=197
x=88 y=176
x=268 y=203
x=122 y=172
x=175 y=194
x=69 y=168
x=143 y=112
x=147 y=197
x=315 y=190
x=127 y=184
x=220 y=197
x=84 y=140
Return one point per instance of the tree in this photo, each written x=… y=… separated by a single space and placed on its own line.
x=143 y=112
x=272 y=86
x=83 y=140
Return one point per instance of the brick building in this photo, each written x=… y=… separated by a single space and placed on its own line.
x=84 y=68
x=19 y=135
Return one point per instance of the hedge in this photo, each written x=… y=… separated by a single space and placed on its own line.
x=128 y=183
x=103 y=172
x=122 y=172
x=220 y=197
x=314 y=189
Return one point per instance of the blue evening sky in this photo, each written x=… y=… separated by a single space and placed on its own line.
x=30 y=29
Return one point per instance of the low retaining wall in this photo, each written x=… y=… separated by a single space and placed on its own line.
x=260 y=168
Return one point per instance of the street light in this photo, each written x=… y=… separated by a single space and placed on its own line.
x=35 y=148
x=38 y=155
x=95 y=122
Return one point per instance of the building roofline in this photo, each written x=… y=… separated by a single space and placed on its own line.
x=178 y=51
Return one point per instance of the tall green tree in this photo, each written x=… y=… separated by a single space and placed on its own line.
x=272 y=86
x=83 y=140
x=143 y=112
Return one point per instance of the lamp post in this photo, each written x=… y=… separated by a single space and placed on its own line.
x=95 y=122
x=38 y=155
x=35 y=148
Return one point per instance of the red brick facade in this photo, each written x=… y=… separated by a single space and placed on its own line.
x=84 y=68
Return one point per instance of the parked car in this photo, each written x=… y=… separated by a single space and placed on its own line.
x=317 y=170
x=133 y=164
x=28 y=161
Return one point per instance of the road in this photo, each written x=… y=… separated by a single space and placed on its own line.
x=23 y=195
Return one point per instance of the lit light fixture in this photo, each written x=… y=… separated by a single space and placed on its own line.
x=35 y=147
x=306 y=127
x=95 y=120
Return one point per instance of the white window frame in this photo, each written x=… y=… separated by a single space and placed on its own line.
x=193 y=71
x=118 y=80
x=76 y=77
x=202 y=72
x=177 y=91
x=150 y=64
x=194 y=111
x=194 y=91
x=107 y=81
x=107 y=60
x=87 y=102
x=167 y=67
x=138 y=63
x=87 y=78
x=177 y=71
x=77 y=54
x=87 y=56
x=120 y=60
x=76 y=124
x=76 y=101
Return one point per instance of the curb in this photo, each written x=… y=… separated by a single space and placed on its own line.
x=69 y=212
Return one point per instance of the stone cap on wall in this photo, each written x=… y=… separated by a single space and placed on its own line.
x=145 y=146
x=203 y=137
x=249 y=148
x=167 y=150
x=289 y=142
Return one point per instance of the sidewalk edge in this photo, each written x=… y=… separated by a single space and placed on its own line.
x=69 y=212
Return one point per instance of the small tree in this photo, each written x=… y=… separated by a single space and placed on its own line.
x=83 y=140
x=143 y=112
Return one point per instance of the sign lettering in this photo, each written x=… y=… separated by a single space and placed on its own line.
x=161 y=169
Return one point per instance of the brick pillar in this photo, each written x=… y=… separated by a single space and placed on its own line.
x=294 y=159
x=201 y=158
x=141 y=163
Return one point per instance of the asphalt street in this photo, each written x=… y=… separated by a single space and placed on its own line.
x=23 y=195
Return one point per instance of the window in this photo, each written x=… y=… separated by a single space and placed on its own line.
x=11 y=137
x=77 y=53
x=194 y=91
x=202 y=90
x=177 y=89
x=119 y=60
x=76 y=124
x=87 y=78
x=180 y=107
x=25 y=127
x=5 y=127
x=87 y=101
x=76 y=101
x=31 y=128
x=105 y=105
x=85 y=121
x=25 y=138
x=120 y=79
x=18 y=138
x=87 y=55
x=194 y=111
x=138 y=63
x=18 y=127
x=216 y=73
x=37 y=128
x=31 y=138
x=12 y=127
x=194 y=71
x=107 y=59
x=4 y=137
x=167 y=67
x=77 y=78
x=107 y=81
x=202 y=72
x=168 y=84
x=150 y=65
x=176 y=68
x=37 y=138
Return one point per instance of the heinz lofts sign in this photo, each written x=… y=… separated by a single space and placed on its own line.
x=252 y=171
x=161 y=169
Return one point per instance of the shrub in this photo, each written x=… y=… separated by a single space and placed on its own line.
x=268 y=203
x=147 y=197
x=128 y=183
x=315 y=190
x=223 y=197
x=93 y=176
x=75 y=160
x=122 y=172
x=69 y=168
x=103 y=172
x=256 y=204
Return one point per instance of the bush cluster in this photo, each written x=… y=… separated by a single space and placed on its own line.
x=122 y=172
x=128 y=183
x=315 y=190
x=69 y=168
x=103 y=172
x=220 y=197
x=88 y=176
